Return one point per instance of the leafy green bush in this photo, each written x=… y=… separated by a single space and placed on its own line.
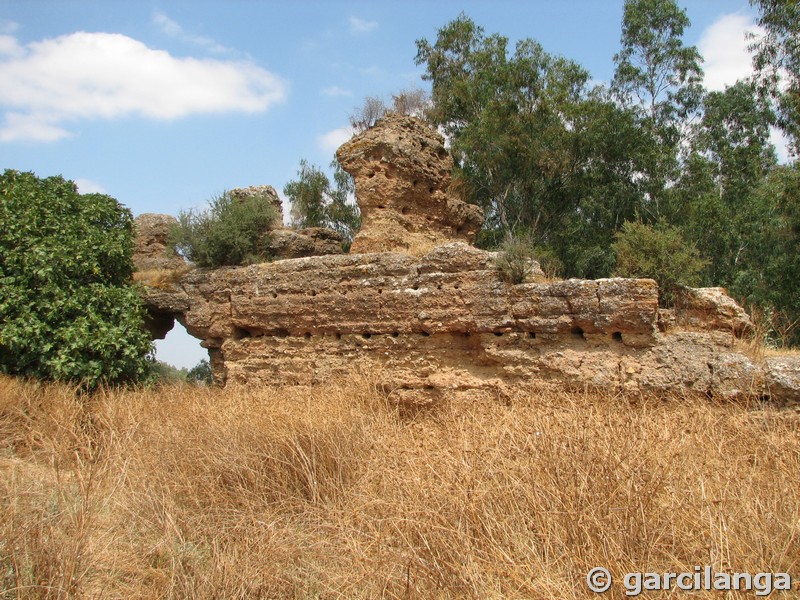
x=67 y=311
x=231 y=231
x=659 y=252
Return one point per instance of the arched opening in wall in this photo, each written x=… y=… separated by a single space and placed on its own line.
x=180 y=349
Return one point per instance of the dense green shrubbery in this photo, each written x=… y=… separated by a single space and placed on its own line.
x=67 y=311
x=231 y=231
x=200 y=374
x=659 y=252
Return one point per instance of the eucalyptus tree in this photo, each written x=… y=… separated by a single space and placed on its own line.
x=660 y=76
x=777 y=61
x=533 y=143
x=316 y=202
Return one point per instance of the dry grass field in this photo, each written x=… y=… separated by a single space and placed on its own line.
x=186 y=492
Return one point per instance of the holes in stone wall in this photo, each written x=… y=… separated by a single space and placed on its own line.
x=617 y=336
x=577 y=333
x=240 y=333
x=307 y=335
x=395 y=334
x=366 y=336
x=498 y=334
x=532 y=335
x=425 y=334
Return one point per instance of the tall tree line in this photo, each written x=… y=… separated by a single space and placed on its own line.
x=565 y=164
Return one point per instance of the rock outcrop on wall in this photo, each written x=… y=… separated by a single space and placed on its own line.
x=402 y=176
x=264 y=193
x=152 y=251
x=285 y=242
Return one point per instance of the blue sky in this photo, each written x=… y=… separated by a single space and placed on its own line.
x=164 y=104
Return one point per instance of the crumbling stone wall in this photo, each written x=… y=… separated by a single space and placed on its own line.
x=445 y=320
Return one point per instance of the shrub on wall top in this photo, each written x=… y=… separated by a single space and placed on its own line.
x=231 y=231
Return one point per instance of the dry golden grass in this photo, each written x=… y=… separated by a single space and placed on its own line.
x=418 y=246
x=161 y=278
x=185 y=492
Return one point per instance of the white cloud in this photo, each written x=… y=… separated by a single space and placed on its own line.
x=87 y=186
x=174 y=30
x=335 y=91
x=331 y=141
x=8 y=43
x=358 y=25
x=18 y=127
x=7 y=27
x=9 y=46
x=105 y=75
x=724 y=48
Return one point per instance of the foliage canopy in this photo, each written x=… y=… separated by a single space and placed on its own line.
x=67 y=311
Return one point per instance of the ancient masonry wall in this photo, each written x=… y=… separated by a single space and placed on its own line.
x=447 y=321
x=444 y=320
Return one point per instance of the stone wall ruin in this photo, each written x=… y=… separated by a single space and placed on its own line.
x=445 y=320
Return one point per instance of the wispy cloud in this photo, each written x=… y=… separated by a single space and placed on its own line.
x=359 y=25
x=8 y=27
x=724 y=48
x=175 y=30
x=330 y=141
x=335 y=91
x=87 y=186
x=8 y=43
x=50 y=83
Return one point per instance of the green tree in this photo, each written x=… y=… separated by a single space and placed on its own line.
x=201 y=373
x=778 y=59
x=659 y=252
x=660 y=77
x=230 y=231
x=730 y=155
x=548 y=158
x=67 y=309
x=317 y=203
x=770 y=265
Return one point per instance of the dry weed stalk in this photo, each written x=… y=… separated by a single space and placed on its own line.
x=333 y=492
